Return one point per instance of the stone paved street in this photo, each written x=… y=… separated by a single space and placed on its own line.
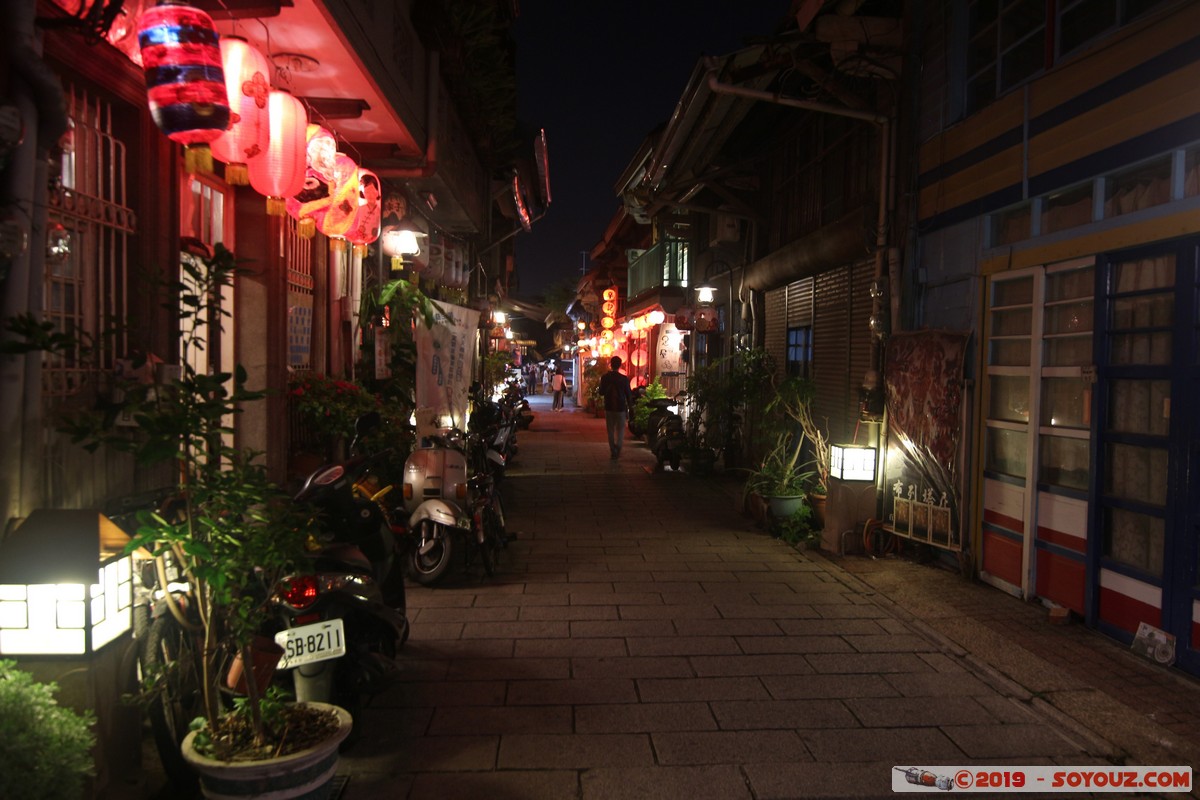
x=643 y=639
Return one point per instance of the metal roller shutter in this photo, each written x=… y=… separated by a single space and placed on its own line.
x=841 y=345
x=775 y=330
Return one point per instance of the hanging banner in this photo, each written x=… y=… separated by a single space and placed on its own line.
x=446 y=362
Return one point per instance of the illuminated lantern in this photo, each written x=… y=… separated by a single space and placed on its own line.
x=278 y=172
x=607 y=322
x=706 y=319
x=610 y=294
x=313 y=196
x=609 y=308
x=656 y=317
x=685 y=318
x=66 y=584
x=370 y=212
x=638 y=357
x=337 y=217
x=248 y=87
x=185 y=84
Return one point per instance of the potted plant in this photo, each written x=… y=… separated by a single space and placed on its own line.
x=794 y=399
x=45 y=748
x=779 y=478
x=233 y=536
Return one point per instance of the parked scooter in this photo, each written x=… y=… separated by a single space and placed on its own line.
x=669 y=434
x=446 y=501
x=345 y=618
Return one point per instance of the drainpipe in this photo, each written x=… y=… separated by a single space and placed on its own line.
x=885 y=172
x=429 y=163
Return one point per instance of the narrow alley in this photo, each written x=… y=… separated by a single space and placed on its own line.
x=642 y=639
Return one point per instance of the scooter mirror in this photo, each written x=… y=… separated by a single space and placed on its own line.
x=367 y=423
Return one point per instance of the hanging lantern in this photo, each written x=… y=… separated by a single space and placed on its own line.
x=248 y=88
x=278 y=172
x=337 y=218
x=706 y=319
x=685 y=318
x=313 y=197
x=370 y=212
x=184 y=81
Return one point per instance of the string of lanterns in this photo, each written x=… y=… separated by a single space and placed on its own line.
x=213 y=95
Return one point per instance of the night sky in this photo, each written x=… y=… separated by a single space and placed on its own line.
x=599 y=77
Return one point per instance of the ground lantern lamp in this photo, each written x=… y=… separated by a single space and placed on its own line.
x=278 y=172
x=185 y=84
x=66 y=584
x=248 y=87
x=852 y=462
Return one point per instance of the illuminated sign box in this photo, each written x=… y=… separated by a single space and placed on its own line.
x=851 y=462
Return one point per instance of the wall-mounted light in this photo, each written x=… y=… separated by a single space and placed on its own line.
x=705 y=294
x=852 y=462
x=66 y=585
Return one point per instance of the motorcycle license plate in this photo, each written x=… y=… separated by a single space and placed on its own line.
x=309 y=643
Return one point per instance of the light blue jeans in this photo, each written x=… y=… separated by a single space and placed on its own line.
x=616 y=430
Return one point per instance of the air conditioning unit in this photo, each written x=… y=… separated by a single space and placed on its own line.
x=723 y=229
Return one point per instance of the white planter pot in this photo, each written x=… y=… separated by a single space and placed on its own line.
x=307 y=773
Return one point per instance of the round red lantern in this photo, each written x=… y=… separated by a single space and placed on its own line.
x=248 y=87
x=706 y=319
x=185 y=84
x=370 y=212
x=685 y=318
x=278 y=172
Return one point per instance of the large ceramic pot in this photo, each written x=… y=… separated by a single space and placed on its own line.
x=784 y=506
x=307 y=773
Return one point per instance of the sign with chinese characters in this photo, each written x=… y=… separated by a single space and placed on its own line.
x=446 y=362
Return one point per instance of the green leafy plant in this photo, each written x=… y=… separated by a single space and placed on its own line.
x=796 y=527
x=45 y=749
x=794 y=399
x=642 y=408
x=234 y=536
x=779 y=474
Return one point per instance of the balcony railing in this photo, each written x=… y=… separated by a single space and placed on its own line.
x=665 y=264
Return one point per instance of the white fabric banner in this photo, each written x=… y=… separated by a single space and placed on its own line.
x=446 y=363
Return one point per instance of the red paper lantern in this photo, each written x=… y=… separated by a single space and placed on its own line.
x=706 y=319
x=185 y=84
x=313 y=198
x=685 y=318
x=278 y=172
x=248 y=87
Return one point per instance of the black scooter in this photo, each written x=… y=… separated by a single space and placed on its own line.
x=343 y=620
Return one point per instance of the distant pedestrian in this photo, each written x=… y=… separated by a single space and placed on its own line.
x=547 y=373
x=559 y=384
x=530 y=379
x=614 y=388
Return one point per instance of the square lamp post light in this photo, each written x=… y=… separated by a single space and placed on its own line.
x=852 y=462
x=66 y=585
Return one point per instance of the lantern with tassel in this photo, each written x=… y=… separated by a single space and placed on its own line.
x=248 y=88
x=370 y=211
x=336 y=219
x=185 y=84
x=313 y=197
x=278 y=172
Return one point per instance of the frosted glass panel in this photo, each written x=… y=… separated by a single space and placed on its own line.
x=1012 y=292
x=1006 y=452
x=1134 y=539
x=1009 y=398
x=1136 y=473
x=1066 y=402
x=1064 y=462
x=1136 y=406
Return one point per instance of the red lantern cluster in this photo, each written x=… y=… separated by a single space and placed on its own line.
x=185 y=81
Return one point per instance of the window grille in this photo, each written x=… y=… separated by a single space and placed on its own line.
x=89 y=230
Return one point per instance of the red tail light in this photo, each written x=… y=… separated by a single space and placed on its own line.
x=301 y=591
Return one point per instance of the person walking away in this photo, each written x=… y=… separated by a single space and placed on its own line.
x=530 y=379
x=546 y=375
x=559 y=384
x=614 y=388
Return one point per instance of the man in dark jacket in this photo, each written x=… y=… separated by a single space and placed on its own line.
x=614 y=388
